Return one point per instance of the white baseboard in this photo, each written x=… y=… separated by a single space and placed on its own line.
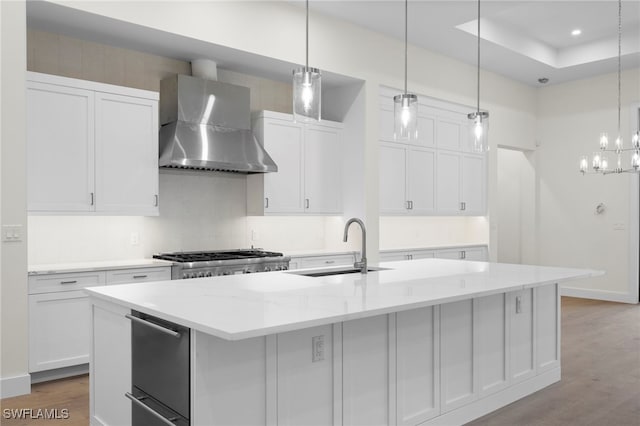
x=492 y=402
x=15 y=386
x=585 y=293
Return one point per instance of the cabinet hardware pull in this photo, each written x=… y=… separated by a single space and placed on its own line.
x=155 y=326
x=266 y=202
x=69 y=282
x=138 y=401
x=139 y=276
x=156 y=202
x=92 y=198
x=464 y=205
x=411 y=205
x=306 y=203
x=329 y=261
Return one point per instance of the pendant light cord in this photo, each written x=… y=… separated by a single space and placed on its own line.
x=619 y=61
x=478 y=99
x=307 y=40
x=406 y=19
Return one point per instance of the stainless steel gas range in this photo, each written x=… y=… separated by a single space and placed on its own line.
x=195 y=264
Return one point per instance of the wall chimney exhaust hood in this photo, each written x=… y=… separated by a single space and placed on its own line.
x=206 y=125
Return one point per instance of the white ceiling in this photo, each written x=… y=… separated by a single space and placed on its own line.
x=523 y=40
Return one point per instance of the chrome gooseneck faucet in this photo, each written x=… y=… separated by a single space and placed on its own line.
x=362 y=265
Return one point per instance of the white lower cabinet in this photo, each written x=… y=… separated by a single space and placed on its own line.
x=59 y=313
x=59 y=319
x=59 y=330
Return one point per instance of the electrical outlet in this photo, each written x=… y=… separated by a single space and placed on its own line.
x=618 y=226
x=255 y=236
x=11 y=233
x=135 y=238
x=518 y=304
x=317 y=348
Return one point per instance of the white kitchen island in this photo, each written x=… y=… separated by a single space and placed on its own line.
x=424 y=342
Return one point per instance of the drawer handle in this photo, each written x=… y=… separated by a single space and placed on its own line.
x=139 y=403
x=139 y=276
x=329 y=261
x=154 y=326
x=69 y=282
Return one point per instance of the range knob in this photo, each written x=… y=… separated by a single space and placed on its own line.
x=226 y=273
x=200 y=274
x=193 y=275
x=284 y=267
x=209 y=274
x=185 y=276
x=267 y=268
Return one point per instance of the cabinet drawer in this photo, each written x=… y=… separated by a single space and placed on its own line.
x=124 y=276
x=64 y=282
x=319 y=261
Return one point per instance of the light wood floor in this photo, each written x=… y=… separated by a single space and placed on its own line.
x=600 y=377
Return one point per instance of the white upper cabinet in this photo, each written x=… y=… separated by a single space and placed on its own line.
x=60 y=148
x=436 y=174
x=127 y=154
x=309 y=160
x=91 y=147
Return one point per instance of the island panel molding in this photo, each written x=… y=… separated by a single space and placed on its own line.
x=398 y=346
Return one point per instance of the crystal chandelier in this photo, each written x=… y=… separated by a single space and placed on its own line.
x=405 y=105
x=600 y=161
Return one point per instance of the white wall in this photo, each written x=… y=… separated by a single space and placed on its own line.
x=14 y=378
x=570 y=119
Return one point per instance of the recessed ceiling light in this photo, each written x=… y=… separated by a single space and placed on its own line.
x=576 y=32
x=543 y=80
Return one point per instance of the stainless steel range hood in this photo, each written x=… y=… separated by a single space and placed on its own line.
x=206 y=125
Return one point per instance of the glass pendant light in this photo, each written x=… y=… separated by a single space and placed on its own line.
x=405 y=105
x=599 y=162
x=479 y=118
x=306 y=87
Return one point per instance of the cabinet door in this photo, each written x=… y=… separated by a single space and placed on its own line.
x=448 y=182
x=458 y=355
x=449 y=133
x=305 y=377
x=521 y=335
x=323 y=170
x=473 y=184
x=284 y=190
x=126 y=154
x=421 y=180
x=393 y=256
x=418 y=369
x=426 y=131
x=393 y=178
x=60 y=148
x=59 y=330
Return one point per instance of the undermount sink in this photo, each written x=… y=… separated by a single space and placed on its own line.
x=328 y=272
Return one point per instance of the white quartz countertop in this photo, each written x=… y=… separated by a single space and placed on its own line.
x=58 y=268
x=242 y=306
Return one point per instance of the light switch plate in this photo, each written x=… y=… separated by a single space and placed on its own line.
x=317 y=348
x=11 y=233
